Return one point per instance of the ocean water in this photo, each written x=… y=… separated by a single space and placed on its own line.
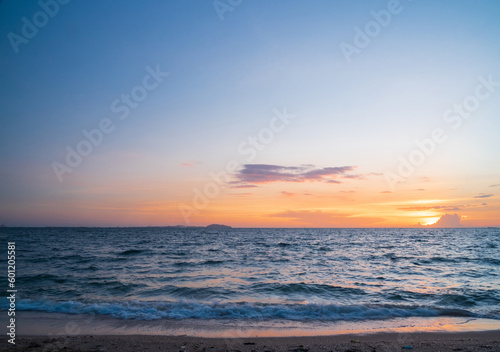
x=304 y=275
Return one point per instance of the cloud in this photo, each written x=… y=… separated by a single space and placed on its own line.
x=243 y=186
x=353 y=177
x=435 y=207
x=287 y=194
x=386 y=192
x=264 y=173
x=495 y=185
x=447 y=220
x=482 y=195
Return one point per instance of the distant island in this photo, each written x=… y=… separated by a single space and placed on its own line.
x=218 y=227
x=209 y=227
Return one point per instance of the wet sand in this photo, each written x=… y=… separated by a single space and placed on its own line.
x=417 y=341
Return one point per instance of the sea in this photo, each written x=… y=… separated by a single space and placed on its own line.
x=262 y=276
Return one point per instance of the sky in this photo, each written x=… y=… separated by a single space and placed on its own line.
x=249 y=113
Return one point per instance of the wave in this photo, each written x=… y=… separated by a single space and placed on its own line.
x=303 y=288
x=198 y=263
x=42 y=279
x=138 y=310
x=131 y=252
x=213 y=262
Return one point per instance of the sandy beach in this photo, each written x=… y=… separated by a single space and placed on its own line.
x=432 y=342
x=62 y=332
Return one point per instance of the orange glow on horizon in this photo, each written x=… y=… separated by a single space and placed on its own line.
x=429 y=221
x=354 y=203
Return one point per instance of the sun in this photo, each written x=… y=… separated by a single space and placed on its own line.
x=429 y=221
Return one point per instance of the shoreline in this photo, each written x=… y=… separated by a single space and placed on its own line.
x=32 y=323
x=418 y=341
x=38 y=331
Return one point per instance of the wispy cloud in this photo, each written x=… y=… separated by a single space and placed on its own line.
x=243 y=186
x=191 y=163
x=264 y=173
x=495 y=185
x=482 y=195
x=353 y=177
x=287 y=194
x=319 y=218
x=436 y=207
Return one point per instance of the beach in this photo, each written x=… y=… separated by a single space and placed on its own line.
x=63 y=332
x=418 y=341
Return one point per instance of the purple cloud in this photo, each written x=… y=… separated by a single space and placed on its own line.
x=482 y=195
x=264 y=173
x=243 y=186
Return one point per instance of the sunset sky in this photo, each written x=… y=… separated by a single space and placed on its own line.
x=257 y=114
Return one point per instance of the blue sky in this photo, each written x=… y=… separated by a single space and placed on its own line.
x=226 y=77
